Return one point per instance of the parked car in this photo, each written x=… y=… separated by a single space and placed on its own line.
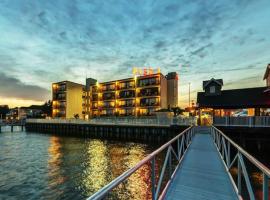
x=243 y=113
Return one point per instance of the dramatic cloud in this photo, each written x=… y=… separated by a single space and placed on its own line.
x=48 y=41
x=14 y=88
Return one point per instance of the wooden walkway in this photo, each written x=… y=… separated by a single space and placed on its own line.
x=201 y=174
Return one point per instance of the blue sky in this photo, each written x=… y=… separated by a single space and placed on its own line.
x=48 y=41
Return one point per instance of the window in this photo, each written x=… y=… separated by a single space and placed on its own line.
x=212 y=89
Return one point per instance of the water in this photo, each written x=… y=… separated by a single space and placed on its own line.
x=39 y=166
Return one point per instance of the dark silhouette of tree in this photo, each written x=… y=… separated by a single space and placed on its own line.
x=47 y=108
x=177 y=111
x=4 y=110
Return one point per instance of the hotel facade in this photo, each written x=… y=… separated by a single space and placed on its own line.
x=137 y=96
x=67 y=99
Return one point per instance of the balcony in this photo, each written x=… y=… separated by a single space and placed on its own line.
x=59 y=97
x=149 y=92
x=127 y=94
x=149 y=102
x=148 y=82
x=108 y=96
x=94 y=89
x=59 y=88
x=107 y=88
x=127 y=105
x=108 y=106
x=94 y=98
x=126 y=85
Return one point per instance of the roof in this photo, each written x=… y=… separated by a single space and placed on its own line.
x=66 y=81
x=266 y=74
x=218 y=81
x=236 y=98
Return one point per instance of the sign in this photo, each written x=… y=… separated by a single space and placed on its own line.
x=147 y=71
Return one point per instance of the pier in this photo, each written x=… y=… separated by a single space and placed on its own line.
x=20 y=124
x=147 y=130
x=204 y=157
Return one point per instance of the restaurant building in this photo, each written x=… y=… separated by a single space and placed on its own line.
x=217 y=102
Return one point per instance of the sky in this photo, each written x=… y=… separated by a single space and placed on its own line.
x=49 y=41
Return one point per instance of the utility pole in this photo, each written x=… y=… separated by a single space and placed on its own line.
x=189 y=94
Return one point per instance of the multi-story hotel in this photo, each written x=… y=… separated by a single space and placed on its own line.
x=137 y=96
x=67 y=98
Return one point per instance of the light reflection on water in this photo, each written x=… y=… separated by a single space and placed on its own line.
x=37 y=166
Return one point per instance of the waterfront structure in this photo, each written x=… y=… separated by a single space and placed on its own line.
x=266 y=76
x=200 y=150
x=218 y=102
x=137 y=96
x=67 y=100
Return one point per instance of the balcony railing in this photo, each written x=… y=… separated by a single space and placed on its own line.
x=149 y=83
x=127 y=105
x=148 y=94
x=125 y=87
x=156 y=103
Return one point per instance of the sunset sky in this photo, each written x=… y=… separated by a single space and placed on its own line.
x=48 y=41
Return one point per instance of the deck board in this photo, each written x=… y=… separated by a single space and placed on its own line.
x=201 y=174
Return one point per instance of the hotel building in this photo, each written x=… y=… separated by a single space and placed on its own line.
x=67 y=99
x=138 y=96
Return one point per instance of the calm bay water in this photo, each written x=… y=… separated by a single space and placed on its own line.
x=37 y=166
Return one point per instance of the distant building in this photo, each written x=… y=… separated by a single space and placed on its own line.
x=67 y=99
x=138 y=96
x=266 y=76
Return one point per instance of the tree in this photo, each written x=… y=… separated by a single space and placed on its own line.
x=47 y=108
x=4 y=110
x=177 y=111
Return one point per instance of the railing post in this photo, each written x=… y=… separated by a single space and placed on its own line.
x=170 y=162
x=153 y=178
x=265 y=187
x=229 y=154
x=239 y=177
x=178 y=148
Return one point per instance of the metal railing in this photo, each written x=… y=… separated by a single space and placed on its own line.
x=255 y=121
x=182 y=142
x=228 y=151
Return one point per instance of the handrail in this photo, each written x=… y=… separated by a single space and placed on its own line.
x=253 y=160
x=186 y=136
x=223 y=144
